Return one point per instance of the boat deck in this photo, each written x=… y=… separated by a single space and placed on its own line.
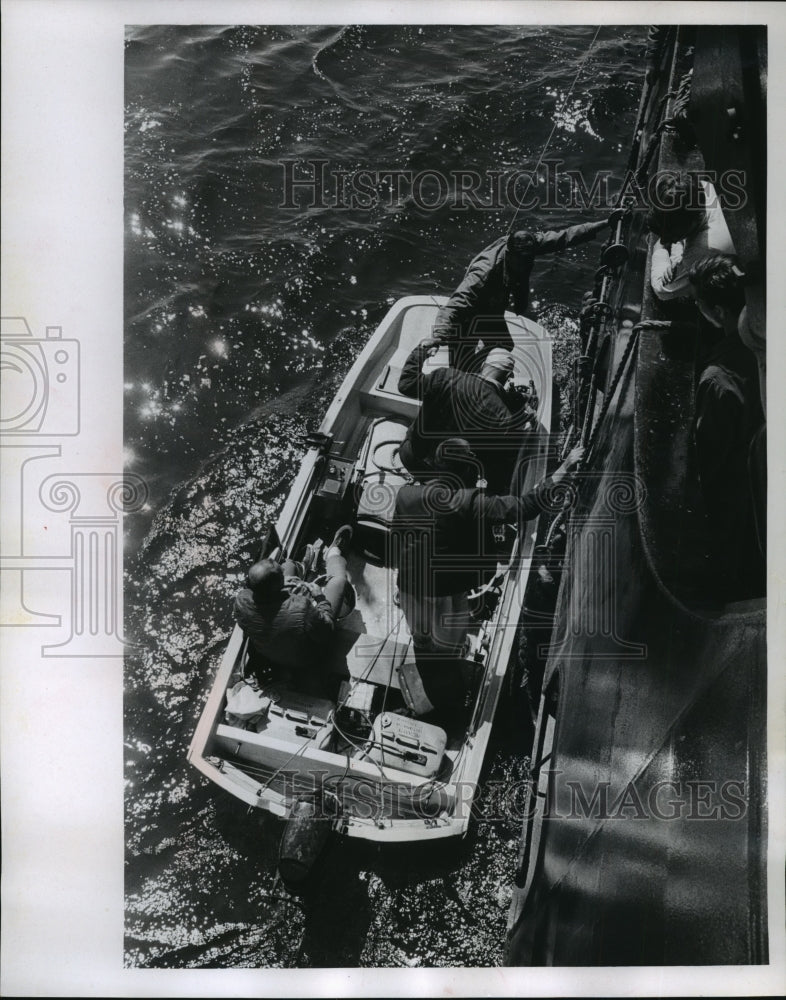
x=375 y=610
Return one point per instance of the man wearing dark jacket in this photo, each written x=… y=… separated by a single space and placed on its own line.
x=496 y=280
x=287 y=619
x=438 y=539
x=474 y=406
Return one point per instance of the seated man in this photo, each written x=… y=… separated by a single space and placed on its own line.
x=474 y=406
x=689 y=224
x=288 y=620
x=498 y=279
x=438 y=543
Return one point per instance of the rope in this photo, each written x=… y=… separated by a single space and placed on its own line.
x=656 y=39
x=655 y=44
x=556 y=119
x=390 y=674
x=652 y=146
x=665 y=123
x=629 y=348
x=675 y=326
x=647 y=324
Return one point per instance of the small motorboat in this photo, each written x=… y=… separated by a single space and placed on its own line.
x=363 y=759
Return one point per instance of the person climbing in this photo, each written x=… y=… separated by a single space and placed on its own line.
x=476 y=406
x=498 y=279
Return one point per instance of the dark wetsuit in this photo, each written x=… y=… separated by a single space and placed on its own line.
x=495 y=281
x=439 y=533
x=462 y=404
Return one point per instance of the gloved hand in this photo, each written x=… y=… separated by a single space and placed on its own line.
x=522 y=396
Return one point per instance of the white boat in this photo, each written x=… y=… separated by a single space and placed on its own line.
x=402 y=779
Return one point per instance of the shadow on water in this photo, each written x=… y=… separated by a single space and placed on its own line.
x=339 y=911
x=334 y=899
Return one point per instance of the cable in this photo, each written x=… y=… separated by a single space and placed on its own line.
x=301 y=749
x=364 y=748
x=556 y=119
x=390 y=675
x=338 y=781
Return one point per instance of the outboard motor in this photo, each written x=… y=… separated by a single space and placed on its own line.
x=304 y=837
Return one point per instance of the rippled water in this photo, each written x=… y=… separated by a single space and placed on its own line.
x=241 y=319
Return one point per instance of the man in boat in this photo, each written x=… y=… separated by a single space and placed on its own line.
x=438 y=537
x=498 y=279
x=287 y=619
x=728 y=432
x=688 y=221
x=479 y=407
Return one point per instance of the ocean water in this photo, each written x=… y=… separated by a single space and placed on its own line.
x=243 y=310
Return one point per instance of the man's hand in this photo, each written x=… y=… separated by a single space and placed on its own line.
x=575 y=457
x=431 y=344
x=306 y=589
x=522 y=388
x=522 y=399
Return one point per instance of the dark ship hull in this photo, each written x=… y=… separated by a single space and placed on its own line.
x=645 y=842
